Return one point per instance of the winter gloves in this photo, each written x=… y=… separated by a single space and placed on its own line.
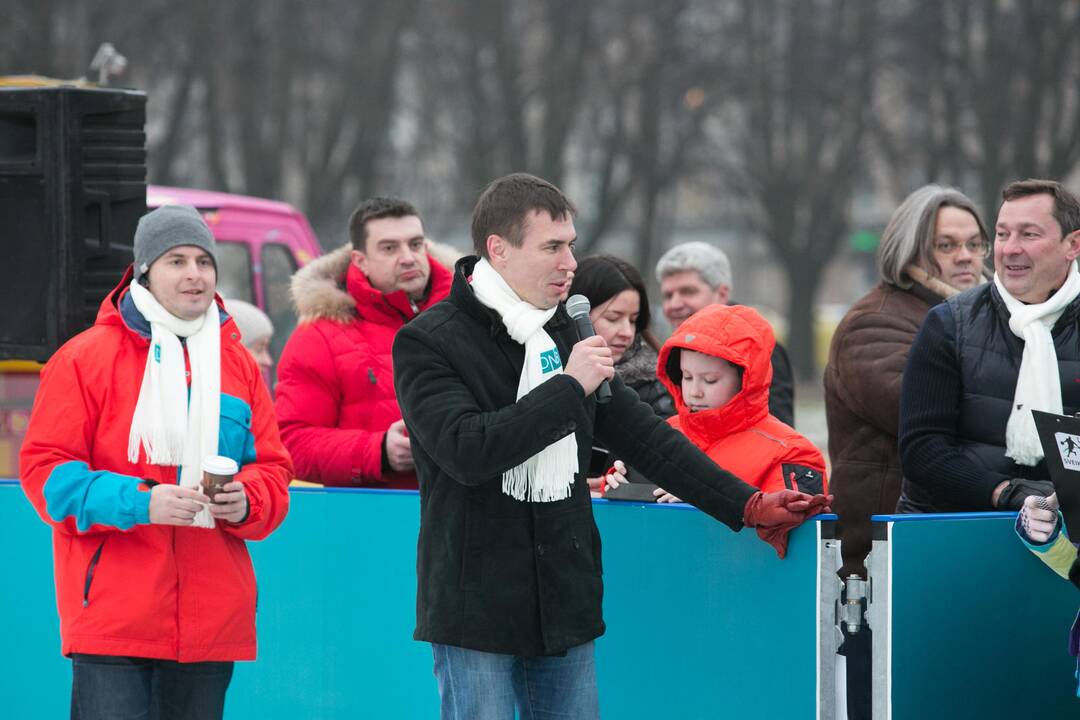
x=776 y=514
x=1013 y=495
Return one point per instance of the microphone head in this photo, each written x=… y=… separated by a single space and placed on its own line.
x=578 y=306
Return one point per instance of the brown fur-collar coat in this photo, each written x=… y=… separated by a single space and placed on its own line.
x=862 y=404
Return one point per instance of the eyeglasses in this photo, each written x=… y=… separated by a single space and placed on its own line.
x=948 y=247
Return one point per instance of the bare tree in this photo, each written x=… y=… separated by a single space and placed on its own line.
x=794 y=138
x=991 y=89
x=655 y=83
x=509 y=78
x=284 y=98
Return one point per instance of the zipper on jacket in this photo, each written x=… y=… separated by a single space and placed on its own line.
x=179 y=589
x=403 y=316
x=90 y=574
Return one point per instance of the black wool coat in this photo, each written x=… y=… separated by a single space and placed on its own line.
x=494 y=573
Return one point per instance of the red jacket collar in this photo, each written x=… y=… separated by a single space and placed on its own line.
x=395 y=308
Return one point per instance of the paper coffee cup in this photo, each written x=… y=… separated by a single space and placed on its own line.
x=217 y=471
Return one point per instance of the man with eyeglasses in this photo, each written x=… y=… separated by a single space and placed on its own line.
x=932 y=248
x=983 y=360
x=959 y=249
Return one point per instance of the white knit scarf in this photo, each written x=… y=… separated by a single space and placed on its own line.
x=166 y=425
x=1038 y=385
x=549 y=475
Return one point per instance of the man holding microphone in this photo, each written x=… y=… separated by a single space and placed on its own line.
x=497 y=393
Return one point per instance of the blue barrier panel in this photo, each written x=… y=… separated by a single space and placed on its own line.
x=35 y=679
x=979 y=626
x=702 y=623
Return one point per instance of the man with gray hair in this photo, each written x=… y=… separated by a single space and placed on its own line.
x=932 y=248
x=695 y=274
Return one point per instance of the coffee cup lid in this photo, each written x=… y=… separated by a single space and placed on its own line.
x=220 y=465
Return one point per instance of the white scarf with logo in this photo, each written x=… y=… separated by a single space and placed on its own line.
x=549 y=475
x=167 y=426
x=1038 y=385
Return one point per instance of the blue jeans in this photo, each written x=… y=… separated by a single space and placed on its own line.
x=107 y=687
x=475 y=685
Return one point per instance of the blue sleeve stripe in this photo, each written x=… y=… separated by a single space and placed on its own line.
x=91 y=497
x=235 y=438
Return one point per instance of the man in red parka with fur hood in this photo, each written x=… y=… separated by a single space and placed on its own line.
x=734 y=427
x=335 y=398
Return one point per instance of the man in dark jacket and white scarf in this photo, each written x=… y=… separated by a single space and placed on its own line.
x=497 y=394
x=986 y=358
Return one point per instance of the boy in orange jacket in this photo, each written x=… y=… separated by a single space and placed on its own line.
x=716 y=367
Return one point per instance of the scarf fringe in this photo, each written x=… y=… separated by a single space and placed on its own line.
x=518 y=482
x=160 y=447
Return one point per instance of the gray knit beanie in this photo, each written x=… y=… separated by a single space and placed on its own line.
x=167 y=227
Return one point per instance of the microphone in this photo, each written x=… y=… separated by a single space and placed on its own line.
x=578 y=307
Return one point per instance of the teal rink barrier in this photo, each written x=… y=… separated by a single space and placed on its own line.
x=976 y=626
x=702 y=623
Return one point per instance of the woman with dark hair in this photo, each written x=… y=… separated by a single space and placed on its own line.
x=620 y=315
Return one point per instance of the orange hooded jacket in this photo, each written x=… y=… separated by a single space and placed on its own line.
x=740 y=436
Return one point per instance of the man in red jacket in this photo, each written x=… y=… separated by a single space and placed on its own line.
x=335 y=394
x=154 y=586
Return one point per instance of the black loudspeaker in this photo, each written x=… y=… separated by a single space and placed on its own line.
x=72 y=190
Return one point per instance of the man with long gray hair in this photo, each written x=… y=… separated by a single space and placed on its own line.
x=932 y=248
x=695 y=274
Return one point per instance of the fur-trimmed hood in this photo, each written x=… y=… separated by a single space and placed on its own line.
x=318 y=289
